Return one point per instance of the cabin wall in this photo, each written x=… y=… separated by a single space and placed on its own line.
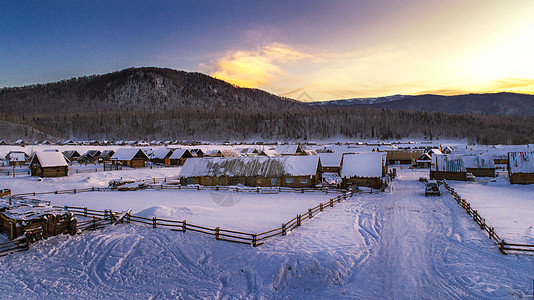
x=37 y=170
x=370 y=182
x=482 y=172
x=439 y=175
x=332 y=169
x=521 y=178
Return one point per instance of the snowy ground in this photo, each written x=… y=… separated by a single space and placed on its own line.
x=249 y=212
x=507 y=207
x=398 y=244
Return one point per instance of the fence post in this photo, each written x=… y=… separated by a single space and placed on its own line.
x=320 y=207
x=217 y=233
x=331 y=203
x=254 y=240
x=501 y=247
x=298 y=220
x=184 y=226
x=283 y=229
x=154 y=222
x=85 y=211
x=310 y=214
x=94 y=223
x=74 y=191
x=128 y=217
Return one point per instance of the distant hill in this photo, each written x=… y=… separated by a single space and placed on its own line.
x=139 y=89
x=156 y=103
x=494 y=104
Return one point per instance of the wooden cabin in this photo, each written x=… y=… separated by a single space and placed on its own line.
x=197 y=152
x=130 y=157
x=48 y=164
x=403 y=157
x=331 y=162
x=521 y=167
x=161 y=156
x=179 y=156
x=89 y=157
x=364 y=169
x=449 y=167
x=16 y=158
x=105 y=155
x=72 y=155
x=295 y=172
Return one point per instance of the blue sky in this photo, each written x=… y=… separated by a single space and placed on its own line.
x=330 y=49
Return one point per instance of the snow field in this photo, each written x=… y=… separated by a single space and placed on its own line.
x=242 y=211
x=506 y=207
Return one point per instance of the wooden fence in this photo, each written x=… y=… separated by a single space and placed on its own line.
x=481 y=222
x=95 y=219
x=19 y=244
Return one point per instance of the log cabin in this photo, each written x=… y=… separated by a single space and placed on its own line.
x=521 y=167
x=48 y=164
x=364 y=169
x=179 y=156
x=130 y=157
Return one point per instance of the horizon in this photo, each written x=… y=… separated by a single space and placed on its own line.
x=324 y=51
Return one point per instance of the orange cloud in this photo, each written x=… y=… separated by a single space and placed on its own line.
x=255 y=68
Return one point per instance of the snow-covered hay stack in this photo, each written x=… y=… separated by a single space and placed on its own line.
x=521 y=167
x=287 y=171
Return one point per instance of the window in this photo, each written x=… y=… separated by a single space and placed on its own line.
x=190 y=181
x=304 y=180
x=274 y=181
x=289 y=180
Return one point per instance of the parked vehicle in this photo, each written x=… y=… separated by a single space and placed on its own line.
x=432 y=188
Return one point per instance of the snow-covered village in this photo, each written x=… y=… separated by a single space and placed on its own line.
x=335 y=220
x=267 y=149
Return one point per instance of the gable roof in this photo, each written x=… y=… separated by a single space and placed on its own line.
x=180 y=153
x=16 y=156
x=329 y=159
x=128 y=154
x=269 y=152
x=521 y=162
x=368 y=164
x=49 y=159
x=161 y=153
x=251 y=166
x=288 y=149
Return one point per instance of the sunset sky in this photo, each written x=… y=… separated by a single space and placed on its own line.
x=327 y=49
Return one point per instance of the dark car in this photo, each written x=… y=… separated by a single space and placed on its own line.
x=432 y=188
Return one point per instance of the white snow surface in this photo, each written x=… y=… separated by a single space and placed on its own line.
x=51 y=159
x=395 y=245
x=362 y=164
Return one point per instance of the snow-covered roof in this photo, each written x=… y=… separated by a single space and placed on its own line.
x=179 y=153
x=447 y=163
x=521 y=162
x=251 y=166
x=434 y=151
x=16 y=156
x=288 y=149
x=49 y=159
x=161 y=153
x=367 y=164
x=127 y=153
x=269 y=152
x=478 y=161
x=331 y=159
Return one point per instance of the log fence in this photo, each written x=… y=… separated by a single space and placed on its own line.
x=481 y=222
x=19 y=244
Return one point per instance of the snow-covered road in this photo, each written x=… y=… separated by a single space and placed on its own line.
x=394 y=245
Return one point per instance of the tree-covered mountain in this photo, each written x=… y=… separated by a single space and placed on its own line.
x=494 y=104
x=155 y=103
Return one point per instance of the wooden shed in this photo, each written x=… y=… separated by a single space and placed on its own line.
x=179 y=156
x=449 y=167
x=364 y=169
x=48 y=164
x=403 y=157
x=130 y=157
x=17 y=158
x=293 y=172
x=72 y=155
x=161 y=156
x=331 y=162
x=521 y=167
